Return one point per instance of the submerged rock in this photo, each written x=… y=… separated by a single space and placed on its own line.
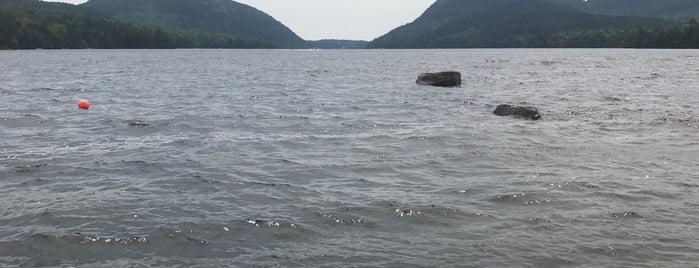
x=441 y=79
x=520 y=111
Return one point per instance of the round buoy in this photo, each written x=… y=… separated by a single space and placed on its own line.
x=84 y=104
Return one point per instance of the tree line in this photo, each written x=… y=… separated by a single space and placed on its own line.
x=535 y=24
x=31 y=29
x=683 y=36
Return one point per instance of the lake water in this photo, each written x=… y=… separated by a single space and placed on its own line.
x=257 y=158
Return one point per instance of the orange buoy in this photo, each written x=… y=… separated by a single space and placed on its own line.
x=84 y=104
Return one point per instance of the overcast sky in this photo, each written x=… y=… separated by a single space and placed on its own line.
x=337 y=19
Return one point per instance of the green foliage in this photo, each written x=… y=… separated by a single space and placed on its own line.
x=666 y=9
x=219 y=16
x=30 y=29
x=684 y=36
x=530 y=23
x=38 y=5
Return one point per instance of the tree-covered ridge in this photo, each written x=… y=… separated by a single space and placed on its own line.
x=682 y=36
x=446 y=24
x=678 y=10
x=440 y=13
x=39 y=5
x=30 y=29
x=525 y=23
x=220 y=16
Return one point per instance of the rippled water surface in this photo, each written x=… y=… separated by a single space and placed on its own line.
x=214 y=158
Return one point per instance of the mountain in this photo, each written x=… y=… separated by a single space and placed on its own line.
x=37 y=5
x=441 y=13
x=681 y=10
x=30 y=24
x=509 y=23
x=219 y=16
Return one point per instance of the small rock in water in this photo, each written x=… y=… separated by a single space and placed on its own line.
x=520 y=111
x=441 y=79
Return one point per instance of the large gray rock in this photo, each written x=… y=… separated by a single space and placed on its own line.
x=441 y=79
x=520 y=111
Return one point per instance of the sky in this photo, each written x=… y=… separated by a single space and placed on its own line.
x=337 y=19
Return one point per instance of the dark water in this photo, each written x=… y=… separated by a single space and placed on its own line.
x=220 y=158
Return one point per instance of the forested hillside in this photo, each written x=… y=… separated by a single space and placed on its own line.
x=678 y=10
x=531 y=23
x=29 y=29
x=27 y=24
x=38 y=5
x=219 y=16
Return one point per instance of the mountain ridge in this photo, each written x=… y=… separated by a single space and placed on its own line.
x=677 y=10
x=218 y=16
x=445 y=24
x=516 y=23
x=31 y=24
